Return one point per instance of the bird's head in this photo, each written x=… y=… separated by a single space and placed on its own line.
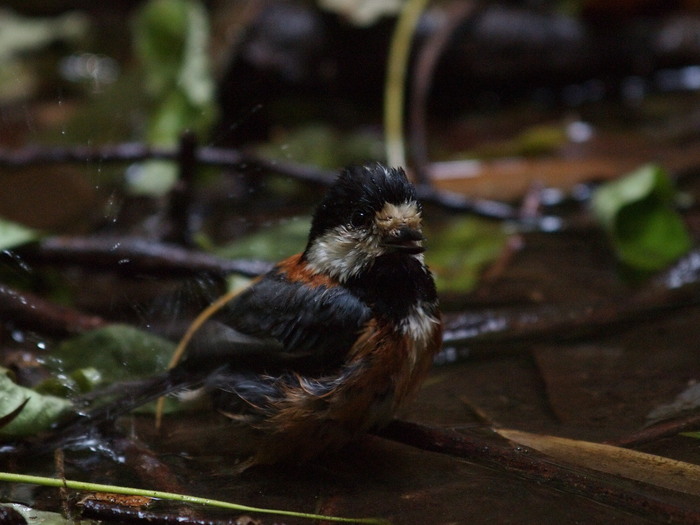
x=368 y=212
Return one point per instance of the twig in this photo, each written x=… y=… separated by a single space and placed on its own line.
x=428 y=57
x=663 y=429
x=181 y=197
x=459 y=203
x=145 y=463
x=493 y=452
x=26 y=309
x=136 y=256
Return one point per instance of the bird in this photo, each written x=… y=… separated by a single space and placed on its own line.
x=329 y=343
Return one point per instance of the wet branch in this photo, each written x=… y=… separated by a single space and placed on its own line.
x=28 y=310
x=135 y=256
x=229 y=158
x=677 y=287
x=113 y=513
x=661 y=430
x=491 y=451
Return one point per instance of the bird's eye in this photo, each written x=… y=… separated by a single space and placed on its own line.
x=359 y=218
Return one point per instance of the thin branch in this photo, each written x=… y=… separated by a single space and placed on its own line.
x=661 y=430
x=428 y=56
x=459 y=203
x=182 y=195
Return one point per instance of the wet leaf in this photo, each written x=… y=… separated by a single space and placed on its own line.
x=115 y=352
x=79 y=381
x=637 y=212
x=39 y=411
x=160 y=33
x=41 y=517
x=459 y=249
x=13 y=234
x=640 y=466
x=8 y=418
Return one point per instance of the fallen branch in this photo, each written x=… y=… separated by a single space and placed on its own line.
x=108 y=512
x=28 y=310
x=489 y=450
x=677 y=287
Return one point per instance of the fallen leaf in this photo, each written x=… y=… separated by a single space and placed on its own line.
x=638 y=213
x=631 y=464
x=38 y=411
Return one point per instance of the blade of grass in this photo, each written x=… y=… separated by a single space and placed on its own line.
x=395 y=83
x=171 y=496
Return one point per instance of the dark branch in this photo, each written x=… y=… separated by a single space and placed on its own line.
x=490 y=450
x=663 y=429
x=136 y=256
x=27 y=310
x=137 y=152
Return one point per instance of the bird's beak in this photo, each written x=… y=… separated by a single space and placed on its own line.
x=404 y=240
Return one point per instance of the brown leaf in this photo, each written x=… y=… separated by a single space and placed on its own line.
x=640 y=466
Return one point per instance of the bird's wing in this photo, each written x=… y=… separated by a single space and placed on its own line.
x=278 y=324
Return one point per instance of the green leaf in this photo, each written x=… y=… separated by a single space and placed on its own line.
x=638 y=213
x=459 y=249
x=13 y=234
x=115 y=352
x=39 y=412
x=171 y=38
x=160 y=33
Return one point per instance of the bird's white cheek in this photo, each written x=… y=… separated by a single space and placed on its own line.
x=343 y=253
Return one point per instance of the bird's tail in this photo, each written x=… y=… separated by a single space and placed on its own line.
x=84 y=426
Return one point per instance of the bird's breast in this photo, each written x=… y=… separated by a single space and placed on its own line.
x=385 y=366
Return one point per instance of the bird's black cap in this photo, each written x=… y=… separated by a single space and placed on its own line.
x=358 y=193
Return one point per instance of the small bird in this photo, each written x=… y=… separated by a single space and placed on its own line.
x=332 y=341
